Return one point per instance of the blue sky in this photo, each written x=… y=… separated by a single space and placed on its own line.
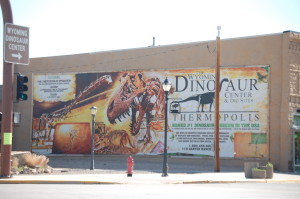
x=61 y=27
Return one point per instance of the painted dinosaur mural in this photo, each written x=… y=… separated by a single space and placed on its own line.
x=202 y=99
x=137 y=97
x=131 y=108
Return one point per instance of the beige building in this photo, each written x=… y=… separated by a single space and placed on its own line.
x=279 y=51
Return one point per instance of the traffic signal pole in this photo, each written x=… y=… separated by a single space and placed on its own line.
x=7 y=101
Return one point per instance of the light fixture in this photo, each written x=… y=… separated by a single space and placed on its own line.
x=167 y=85
x=93 y=110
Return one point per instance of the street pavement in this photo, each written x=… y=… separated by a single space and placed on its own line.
x=112 y=169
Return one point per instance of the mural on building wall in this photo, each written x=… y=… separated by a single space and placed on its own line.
x=131 y=104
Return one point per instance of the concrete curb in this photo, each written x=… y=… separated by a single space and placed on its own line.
x=54 y=182
x=242 y=181
x=165 y=181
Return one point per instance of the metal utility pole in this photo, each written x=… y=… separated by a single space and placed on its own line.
x=166 y=87
x=165 y=162
x=7 y=101
x=93 y=113
x=217 y=106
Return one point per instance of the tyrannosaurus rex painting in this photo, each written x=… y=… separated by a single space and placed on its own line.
x=138 y=97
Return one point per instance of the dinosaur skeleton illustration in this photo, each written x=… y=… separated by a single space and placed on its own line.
x=142 y=97
x=50 y=119
x=116 y=142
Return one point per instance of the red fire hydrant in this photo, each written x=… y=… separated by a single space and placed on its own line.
x=130 y=164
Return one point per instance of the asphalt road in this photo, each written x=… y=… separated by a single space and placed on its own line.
x=152 y=191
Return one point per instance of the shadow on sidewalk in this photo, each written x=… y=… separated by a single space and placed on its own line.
x=143 y=164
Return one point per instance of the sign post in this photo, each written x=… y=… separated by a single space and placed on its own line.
x=16 y=51
x=7 y=101
x=16 y=44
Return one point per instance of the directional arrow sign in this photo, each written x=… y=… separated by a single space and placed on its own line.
x=19 y=56
x=16 y=44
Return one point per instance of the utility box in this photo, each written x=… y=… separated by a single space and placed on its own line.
x=17 y=118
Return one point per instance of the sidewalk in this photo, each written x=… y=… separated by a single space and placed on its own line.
x=154 y=178
x=112 y=170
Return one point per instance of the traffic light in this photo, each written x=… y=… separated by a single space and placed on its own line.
x=21 y=87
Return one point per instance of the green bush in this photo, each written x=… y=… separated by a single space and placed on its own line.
x=257 y=169
x=269 y=164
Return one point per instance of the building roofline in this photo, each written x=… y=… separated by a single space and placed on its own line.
x=170 y=45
